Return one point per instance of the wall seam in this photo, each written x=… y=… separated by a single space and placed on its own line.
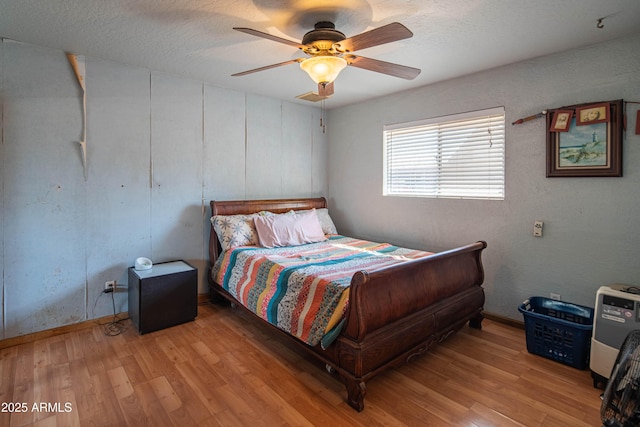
x=85 y=125
x=246 y=141
x=3 y=169
x=203 y=134
x=281 y=143
x=151 y=164
x=312 y=150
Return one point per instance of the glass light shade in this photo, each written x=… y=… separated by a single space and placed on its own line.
x=323 y=69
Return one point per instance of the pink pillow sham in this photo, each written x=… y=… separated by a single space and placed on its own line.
x=289 y=229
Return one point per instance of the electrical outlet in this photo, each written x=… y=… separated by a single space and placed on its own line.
x=555 y=296
x=537 y=228
x=110 y=286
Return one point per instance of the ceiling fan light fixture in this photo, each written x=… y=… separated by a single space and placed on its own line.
x=323 y=69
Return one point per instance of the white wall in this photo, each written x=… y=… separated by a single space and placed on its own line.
x=159 y=148
x=591 y=230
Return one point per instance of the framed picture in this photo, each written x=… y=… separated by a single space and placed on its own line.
x=561 y=120
x=593 y=113
x=592 y=149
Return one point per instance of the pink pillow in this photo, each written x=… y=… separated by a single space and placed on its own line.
x=289 y=229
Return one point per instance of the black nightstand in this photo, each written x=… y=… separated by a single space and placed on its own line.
x=164 y=296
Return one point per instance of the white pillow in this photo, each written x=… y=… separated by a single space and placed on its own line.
x=328 y=227
x=289 y=229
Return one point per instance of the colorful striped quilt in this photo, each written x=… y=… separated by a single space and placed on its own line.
x=303 y=290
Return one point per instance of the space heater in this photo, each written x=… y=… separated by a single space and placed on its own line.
x=616 y=314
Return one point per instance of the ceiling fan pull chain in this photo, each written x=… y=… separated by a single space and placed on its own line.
x=322 y=113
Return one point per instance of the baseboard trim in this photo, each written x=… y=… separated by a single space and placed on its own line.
x=47 y=333
x=503 y=319
x=202 y=299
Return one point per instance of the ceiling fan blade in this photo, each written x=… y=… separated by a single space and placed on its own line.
x=383 y=67
x=268 y=36
x=381 y=35
x=325 y=89
x=267 y=67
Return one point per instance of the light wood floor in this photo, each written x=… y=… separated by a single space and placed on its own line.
x=226 y=369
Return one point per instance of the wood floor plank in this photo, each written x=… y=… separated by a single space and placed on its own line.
x=171 y=351
x=425 y=402
x=109 y=405
x=192 y=408
x=132 y=411
x=74 y=344
x=204 y=351
x=290 y=410
x=226 y=369
x=120 y=382
x=8 y=363
x=202 y=384
x=482 y=416
x=24 y=383
x=165 y=393
x=580 y=407
x=181 y=417
x=155 y=413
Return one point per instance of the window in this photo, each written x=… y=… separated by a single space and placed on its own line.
x=459 y=156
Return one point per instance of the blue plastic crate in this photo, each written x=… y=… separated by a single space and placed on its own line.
x=558 y=330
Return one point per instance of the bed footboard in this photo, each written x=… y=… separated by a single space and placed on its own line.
x=399 y=312
x=381 y=297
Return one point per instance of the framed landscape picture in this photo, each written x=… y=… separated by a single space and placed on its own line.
x=588 y=148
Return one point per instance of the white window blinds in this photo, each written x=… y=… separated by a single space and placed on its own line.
x=459 y=156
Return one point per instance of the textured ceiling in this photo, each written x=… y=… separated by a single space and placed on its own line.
x=195 y=39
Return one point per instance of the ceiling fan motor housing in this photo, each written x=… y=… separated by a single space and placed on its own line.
x=322 y=38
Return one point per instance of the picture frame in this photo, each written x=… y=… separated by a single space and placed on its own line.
x=593 y=149
x=592 y=114
x=561 y=120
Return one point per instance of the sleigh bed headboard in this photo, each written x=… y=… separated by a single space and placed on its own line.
x=245 y=207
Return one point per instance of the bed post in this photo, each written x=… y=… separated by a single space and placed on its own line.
x=356 y=390
x=476 y=321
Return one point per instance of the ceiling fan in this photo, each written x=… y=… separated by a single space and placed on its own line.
x=329 y=51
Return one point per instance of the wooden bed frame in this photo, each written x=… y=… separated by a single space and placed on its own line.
x=432 y=298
